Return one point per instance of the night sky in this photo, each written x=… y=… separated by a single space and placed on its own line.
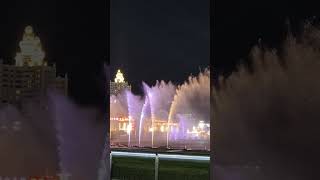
x=74 y=35
x=239 y=24
x=159 y=40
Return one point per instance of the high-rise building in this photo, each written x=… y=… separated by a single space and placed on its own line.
x=119 y=84
x=30 y=77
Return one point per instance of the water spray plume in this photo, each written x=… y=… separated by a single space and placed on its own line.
x=155 y=108
x=193 y=97
x=269 y=116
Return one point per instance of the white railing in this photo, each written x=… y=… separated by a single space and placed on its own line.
x=157 y=157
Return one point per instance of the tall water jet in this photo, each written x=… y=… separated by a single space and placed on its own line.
x=129 y=127
x=162 y=96
x=149 y=96
x=134 y=104
x=168 y=126
x=196 y=89
x=143 y=111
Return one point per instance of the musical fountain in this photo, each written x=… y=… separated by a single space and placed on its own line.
x=166 y=116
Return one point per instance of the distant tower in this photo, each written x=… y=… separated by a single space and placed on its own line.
x=119 y=84
x=31 y=53
x=31 y=77
x=119 y=77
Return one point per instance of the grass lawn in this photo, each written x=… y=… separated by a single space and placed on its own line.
x=136 y=168
x=184 y=170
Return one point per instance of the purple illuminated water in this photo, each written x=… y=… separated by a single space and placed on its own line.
x=158 y=122
x=145 y=105
x=53 y=135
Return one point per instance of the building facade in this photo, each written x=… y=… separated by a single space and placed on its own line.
x=30 y=77
x=119 y=84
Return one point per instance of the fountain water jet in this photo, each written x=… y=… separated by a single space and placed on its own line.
x=196 y=89
x=149 y=96
x=158 y=110
x=130 y=117
x=146 y=102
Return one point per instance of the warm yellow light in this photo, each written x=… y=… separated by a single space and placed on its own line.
x=162 y=128
x=119 y=77
x=129 y=128
x=31 y=52
x=201 y=125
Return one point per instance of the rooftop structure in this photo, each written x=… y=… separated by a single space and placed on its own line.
x=119 y=84
x=30 y=76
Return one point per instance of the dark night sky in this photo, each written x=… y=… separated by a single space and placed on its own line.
x=159 y=40
x=74 y=35
x=239 y=24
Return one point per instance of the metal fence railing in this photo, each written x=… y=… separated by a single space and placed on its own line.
x=152 y=169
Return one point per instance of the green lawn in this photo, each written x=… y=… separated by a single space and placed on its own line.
x=184 y=170
x=134 y=168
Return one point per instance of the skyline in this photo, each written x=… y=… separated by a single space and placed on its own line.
x=179 y=36
x=77 y=42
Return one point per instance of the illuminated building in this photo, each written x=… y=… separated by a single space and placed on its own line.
x=31 y=53
x=30 y=77
x=122 y=124
x=119 y=84
x=161 y=126
x=202 y=131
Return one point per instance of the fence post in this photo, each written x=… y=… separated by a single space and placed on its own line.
x=156 y=167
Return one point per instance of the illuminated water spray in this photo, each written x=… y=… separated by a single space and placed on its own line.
x=129 y=127
x=145 y=105
x=273 y=105
x=150 y=98
x=151 y=118
x=168 y=125
x=192 y=97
